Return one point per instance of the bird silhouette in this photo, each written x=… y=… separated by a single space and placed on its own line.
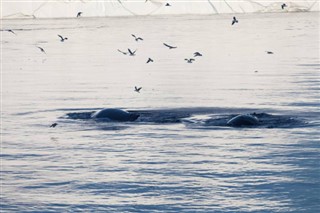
x=190 y=60
x=53 y=125
x=124 y=53
x=79 y=14
x=197 y=54
x=170 y=47
x=234 y=20
x=132 y=53
x=269 y=52
x=137 y=38
x=42 y=50
x=10 y=31
x=168 y=5
x=283 y=5
x=136 y=89
x=62 y=38
x=149 y=60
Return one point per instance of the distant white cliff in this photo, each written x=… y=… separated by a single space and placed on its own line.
x=104 y=8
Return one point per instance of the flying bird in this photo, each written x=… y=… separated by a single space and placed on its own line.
x=149 y=60
x=10 y=31
x=136 y=89
x=234 y=20
x=124 y=53
x=53 y=125
x=79 y=14
x=42 y=50
x=168 y=5
x=62 y=38
x=170 y=47
x=137 y=38
x=283 y=5
x=197 y=54
x=190 y=60
x=132 y=53
x=269 y=52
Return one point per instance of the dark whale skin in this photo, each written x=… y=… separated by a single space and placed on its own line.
x=115 y=115
x=243 y=120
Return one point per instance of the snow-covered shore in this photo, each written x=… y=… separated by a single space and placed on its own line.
x=69 y=8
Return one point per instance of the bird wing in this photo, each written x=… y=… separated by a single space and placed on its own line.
x=122 y=52
x=167 y=45
x=41 y=49
x=60 y=37
x=11 y=31
x=140 y=38
x=133 y=36
x=132 y=53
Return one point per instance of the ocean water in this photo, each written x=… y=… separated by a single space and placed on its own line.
x=179 y=156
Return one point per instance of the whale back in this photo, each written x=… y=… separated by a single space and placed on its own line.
x=115 y=115
x=243 y=120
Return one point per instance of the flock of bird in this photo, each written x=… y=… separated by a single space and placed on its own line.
x=150 y=60
x=133 y=53
x=137 y=39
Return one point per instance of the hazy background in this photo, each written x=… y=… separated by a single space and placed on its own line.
x=160 y=163
x=69 y=8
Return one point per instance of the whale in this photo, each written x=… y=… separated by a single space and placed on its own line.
x=243 y=120
x=114 y=114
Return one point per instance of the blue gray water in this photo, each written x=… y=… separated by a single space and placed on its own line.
x=179 y=156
